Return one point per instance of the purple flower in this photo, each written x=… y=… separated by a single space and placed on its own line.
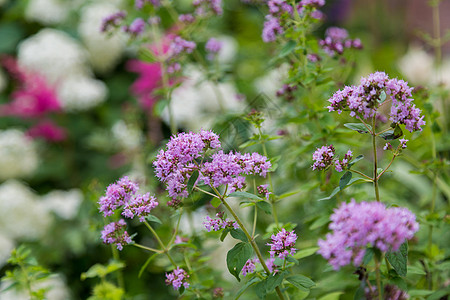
x=219 y=223
x=270 y=263
x=186 y=18
x=213 y=46
x=271 y=29
x=340 y=165
x=262 y=190
x=115 y=233
x=177 y=278
x=112 y=21
x=313 y=3
x=336 y=40
x=117 y=194
x=364 y=100
x=249 y=266
x=279 y=7
x=403 y=143
x=323 y=157
x=355 y=226
x=388 y=146
x=140 y=3
x=139 y=206
x=282 y=244
x=179 y=46
x=215 y=6
x=136 y=27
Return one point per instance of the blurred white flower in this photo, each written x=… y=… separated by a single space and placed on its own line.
x=6 y=246
x=79 y=92
x=417 y=65
x=126 y=136
x=104 y=50
x=18 y=157
x=229 y=49
x=47 y=12
x=3 y=80
x=55 y=285
x=65 y=204
x=197 y=102
x=270 y=83
x=64 y=63
x=22 y=215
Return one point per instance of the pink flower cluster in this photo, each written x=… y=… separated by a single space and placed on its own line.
x=115 y=233
x=359 y=225
x=249 y=266
x=203 y=6
x=283 y=244
x=323 y=157
x=336 y=40
x=177 y=278
x=364 y=100
x=219 y=223
x=175 y=165
x=123 y=193
x=340 y=165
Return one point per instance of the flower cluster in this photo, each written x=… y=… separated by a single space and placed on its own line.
x=358 y=225
x=139 y=4
x=112 y=21
x=336 y=40
x=175 y=165
x=117 y=194
x=340 y=165
x=115 y=233
x=323 y=157
x=287 y=91
x=228 y=169
x=249 y=266
x=219 y=223
x=177 y=278
x=262 y=190
x=136 y=27
x=364 y=100
x=213 y=46
x=202 y=6
x=140 y=206
x=282 y=244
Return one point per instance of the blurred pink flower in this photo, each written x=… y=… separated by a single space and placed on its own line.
x=48 y=130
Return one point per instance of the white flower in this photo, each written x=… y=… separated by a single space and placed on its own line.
x=80 y=92
x=22 y=215
x=6 y=246
x=270 y=83
x=18 y=157
x=197 y=102
x=127 y=136
x=229 y=49
x=53 y=54
x=417 y=65
x=65 y=204
x=104 y=50
x=47 y=12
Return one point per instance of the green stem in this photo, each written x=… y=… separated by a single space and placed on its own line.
x=161 y=244
x=174 y=236
x=388 y=166
x=120 y=279
x=375 y=162
x=254 y=221
x=362 y=174
x=148 y=248
x=27 y=279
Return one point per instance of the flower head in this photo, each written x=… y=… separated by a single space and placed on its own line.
x=358 y=225
x=219 y=223
x=117 y=194
x=177 y=278
x=139 y=206
x=282 y=244
x=323 y=157
x=249 y=266
x=115 y=233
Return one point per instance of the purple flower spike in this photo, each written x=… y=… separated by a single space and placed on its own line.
x=323 y=157
x=177 y=278
x=282 y=244
x=115 y=233
x=139 y=206
x=117 y=194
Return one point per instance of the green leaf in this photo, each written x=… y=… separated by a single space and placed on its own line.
x=413 y=293
x=354 y=161
x=99 y=270
x=332 y=296
x=239 y=234
x=359 y=127
x=338 y=189
x=399 y=259
x=244 y=195
x=301 y=282
x=288 y=194
x=261 y=289
x=274 y=280
x=287 y=49
x=248 y=284
x=237 y=257
x=224 y=234
x=152 y=218
x=344 y=180
x=416 y=270
x=216 y=202
x=306 y=252
x=392 y=134
x=319 y=223
x=192 y=180
x=264 y=206
x=368 y=256
x=382 y=97
x=292 y=260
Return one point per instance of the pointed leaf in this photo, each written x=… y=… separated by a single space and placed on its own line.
x=308 y=251
x=192 y=180
x=399 y=259
x=239 y=234
x=216 y=202
x=152 y=218
x=264 y=206
x=244 y=195
x=237 y=257
x=344 y=180
x=301 y=282
x=359 y=127
x=274 y=280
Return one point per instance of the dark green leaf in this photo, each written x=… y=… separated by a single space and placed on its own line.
x=261 y=289
x=392 y=134
x=224 y=234
x=287 y=48
x=244 y=195
x=152 y=218
x=246 y=286
x=336 y=190
x=265 y=206
x=354 y=161
x=274 y=280
x=344 y=180
x=301 y=282
x=359 y=127
x=292 y=260
x=237 y=257
x=368 y=256
x=399 y=259
x=192 y=180
x=239 y=234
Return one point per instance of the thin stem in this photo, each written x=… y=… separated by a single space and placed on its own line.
x=367 y=126
x=378 y=276
x=174 y=236
x=161 y=244
x=375 y=162
x=148 y=248
x=201 y=190
x=254 y=221
x=383 y=131
x=388 y=166
x=120 y=279
x=362 y=174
